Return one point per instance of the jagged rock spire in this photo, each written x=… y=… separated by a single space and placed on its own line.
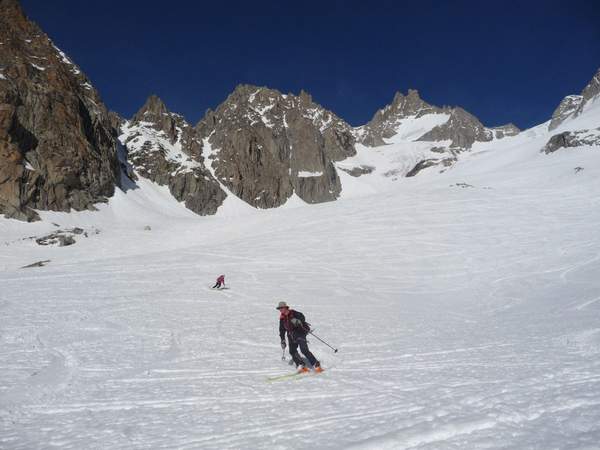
x=155 y=112
x=153 y=106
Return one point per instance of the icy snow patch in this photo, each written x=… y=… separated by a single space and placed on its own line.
x=65 y=59
x=306 y=174
x=412 y=128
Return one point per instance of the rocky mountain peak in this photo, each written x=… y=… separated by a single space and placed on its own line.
x=386 y=121
x=406 y=105
x=566 y=108
x=572 y=105
x=305 y=98
x=162 y=147
x=264 y=146
x=421 y=121
x=155 y=114
x=593 y=88
x=154 y=106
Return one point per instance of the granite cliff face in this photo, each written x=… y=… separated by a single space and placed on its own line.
x=264 y=146
x=162 y=147
x=57 y=145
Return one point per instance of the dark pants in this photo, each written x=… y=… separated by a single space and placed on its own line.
x=300 y=341
x=218 y=285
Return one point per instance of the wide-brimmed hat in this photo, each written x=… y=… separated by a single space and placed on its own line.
x=282 y=305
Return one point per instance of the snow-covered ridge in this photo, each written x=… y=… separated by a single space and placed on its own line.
x=269 y=107
x=66 y=60
x=143 y=137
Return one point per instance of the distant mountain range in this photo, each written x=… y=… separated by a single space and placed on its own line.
x=62 y=150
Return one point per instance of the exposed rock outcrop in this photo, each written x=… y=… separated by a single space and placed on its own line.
x=567 y=107
x=571 y=139
x=431 y=162
x=462 y=129
x=358 y=171
x=592 y=89
x=264 y=146
x=57 y=148
x=163 y=147
x=510 y=129
x=572 y=105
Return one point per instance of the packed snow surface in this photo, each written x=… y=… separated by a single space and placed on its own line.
x=465 y=306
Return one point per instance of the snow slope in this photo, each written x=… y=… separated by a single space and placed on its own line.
x=465 y=305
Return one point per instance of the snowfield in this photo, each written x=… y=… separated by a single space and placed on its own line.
x=465 y=306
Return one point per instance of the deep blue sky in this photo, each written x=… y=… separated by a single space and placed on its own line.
x=502 y=61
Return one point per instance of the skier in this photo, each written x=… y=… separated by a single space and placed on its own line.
x=220 y=281
x=294 y=325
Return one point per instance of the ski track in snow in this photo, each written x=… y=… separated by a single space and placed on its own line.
x=465 y=318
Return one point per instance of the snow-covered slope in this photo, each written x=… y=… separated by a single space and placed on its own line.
x=464 y=305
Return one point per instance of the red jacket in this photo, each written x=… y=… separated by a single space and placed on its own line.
x=221 y=279
x=285 y=325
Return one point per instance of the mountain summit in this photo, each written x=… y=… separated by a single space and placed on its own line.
x=414 y=119
x=265 y=146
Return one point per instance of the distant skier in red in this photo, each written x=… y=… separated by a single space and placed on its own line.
x=220 y=281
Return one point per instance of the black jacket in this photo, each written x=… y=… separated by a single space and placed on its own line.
x=285 y=325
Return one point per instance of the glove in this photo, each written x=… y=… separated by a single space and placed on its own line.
x=283 y=344
x=296 y=322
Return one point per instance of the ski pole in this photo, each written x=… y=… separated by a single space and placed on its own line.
x=335 y=350
x=283 y=354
